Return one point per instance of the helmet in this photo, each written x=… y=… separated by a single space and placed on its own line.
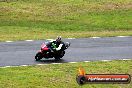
x=58 y=39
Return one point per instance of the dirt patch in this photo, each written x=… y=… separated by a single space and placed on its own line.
x=5 y=9
x=112 y=6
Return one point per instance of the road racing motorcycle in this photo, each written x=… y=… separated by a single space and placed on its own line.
x=47 y=53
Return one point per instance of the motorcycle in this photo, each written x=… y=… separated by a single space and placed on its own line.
x=47 y=53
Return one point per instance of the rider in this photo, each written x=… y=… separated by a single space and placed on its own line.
x=56 y=45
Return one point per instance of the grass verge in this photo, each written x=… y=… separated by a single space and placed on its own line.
x=61 y=75
x=41 y=19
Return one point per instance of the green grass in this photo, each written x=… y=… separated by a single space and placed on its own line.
x=41 y=19
x=62 y=75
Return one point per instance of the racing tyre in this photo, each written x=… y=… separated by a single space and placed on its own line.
x=62 y=54
x=57 y=58
x=38 y=56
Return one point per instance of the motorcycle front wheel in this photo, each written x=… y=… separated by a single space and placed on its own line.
x=38 y=56
x=57 y=58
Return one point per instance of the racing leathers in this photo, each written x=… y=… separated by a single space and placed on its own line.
x=56 y=46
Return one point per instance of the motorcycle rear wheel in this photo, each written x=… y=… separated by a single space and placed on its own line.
x=38 y=56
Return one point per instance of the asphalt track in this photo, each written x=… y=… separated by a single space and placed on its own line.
x=83 y=49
